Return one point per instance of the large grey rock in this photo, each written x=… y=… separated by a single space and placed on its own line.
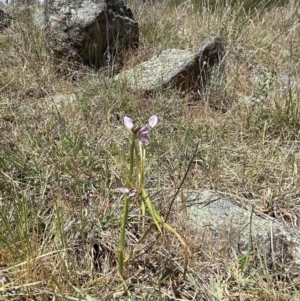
x=231 y=226
x=180 y=68
x=92 y=32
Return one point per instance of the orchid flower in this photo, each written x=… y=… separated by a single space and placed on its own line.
x=131 y=192
x=138 y=156
x=143 y=132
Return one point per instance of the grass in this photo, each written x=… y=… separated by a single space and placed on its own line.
x=60 y=216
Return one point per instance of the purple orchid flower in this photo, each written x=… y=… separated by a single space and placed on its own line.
x=131 y=192
x=142 y=133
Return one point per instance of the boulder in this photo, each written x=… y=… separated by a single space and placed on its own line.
x=5 y=19
x=230 y=225
x=173 y=67
x=91 y=32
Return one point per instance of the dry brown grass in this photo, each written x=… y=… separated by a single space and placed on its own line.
x=59 y=217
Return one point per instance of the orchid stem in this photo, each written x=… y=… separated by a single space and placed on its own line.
x=126 y=208
x=129 y=180
x=122 y=237
x=142 y=166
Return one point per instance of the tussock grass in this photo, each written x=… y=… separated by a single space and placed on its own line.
x=60 y=218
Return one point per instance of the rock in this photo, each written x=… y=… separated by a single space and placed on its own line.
x=269 y=81
x=38 y=19
x=92 y=32
x=231 y=225
x=5 y=19
x=180 y=68
x=211 y=62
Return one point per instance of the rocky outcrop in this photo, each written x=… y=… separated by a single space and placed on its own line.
x=5 y=19
x=92 y=32
x=234 y=227
x=180 y=68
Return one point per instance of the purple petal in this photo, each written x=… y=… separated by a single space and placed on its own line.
x=123 y=190
x=132 y=192
x=128 y=122
x=144 y=140
x=152 y=121
x=143 y=134
x=145 y=130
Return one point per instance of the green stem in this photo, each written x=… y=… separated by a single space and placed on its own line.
x=129 y=180
x=126 y=208
x=157 y=219
x=142 y=166
x=134 y=249
x=122 y=237
x=155 y=216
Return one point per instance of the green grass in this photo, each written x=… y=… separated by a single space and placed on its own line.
x=59 y=214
